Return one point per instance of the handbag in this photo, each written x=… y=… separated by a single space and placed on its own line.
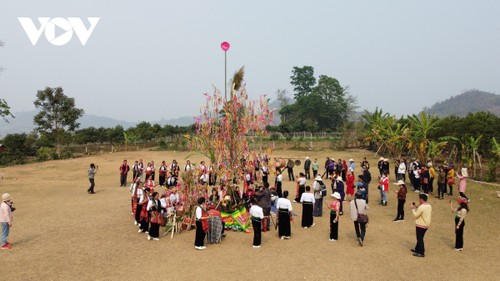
x=451 y=181
x=361 y=217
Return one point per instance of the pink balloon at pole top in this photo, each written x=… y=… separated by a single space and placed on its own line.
x=225 y=46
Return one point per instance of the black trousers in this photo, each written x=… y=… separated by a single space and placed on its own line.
x=123 y=179
x=459 y=234
x=315 y=172
x=257 y=231
x=401 y=209
x=441 y=189
x=291 y=177
x=308 y=174
x=162 y=180
x=200 y=235
x=92 y=184
x=360 y=228
x=334 y=227
x=420 y=248
x=279 y=190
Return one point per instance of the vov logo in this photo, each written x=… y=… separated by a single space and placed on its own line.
x=66 y=25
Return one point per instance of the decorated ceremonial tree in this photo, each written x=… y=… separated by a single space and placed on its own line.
x=228 y=131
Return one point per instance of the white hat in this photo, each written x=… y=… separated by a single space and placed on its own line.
x=400 y=182
x=381 y=158
x=318 y=178
x=307 y=157
x=6 y=197
x=351 y=160
x=336 y=195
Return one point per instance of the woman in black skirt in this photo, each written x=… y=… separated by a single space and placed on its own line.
x=307 y=200
x=284 y=209
x=201 y=215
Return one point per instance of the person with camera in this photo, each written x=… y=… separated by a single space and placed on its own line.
x=422 y=215
x=6 y=218
x=92 y=171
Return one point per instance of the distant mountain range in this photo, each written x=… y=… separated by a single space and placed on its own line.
x=468 y=102
x=23 y=122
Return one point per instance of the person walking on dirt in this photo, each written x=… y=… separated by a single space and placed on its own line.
x=91 y=172
x=422 y=215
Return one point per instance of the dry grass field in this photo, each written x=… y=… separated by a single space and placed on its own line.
x=62 y=233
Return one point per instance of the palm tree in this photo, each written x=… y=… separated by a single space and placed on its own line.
x=420 y=126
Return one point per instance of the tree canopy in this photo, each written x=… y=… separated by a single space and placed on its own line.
x=321 y=106
x=58 y=114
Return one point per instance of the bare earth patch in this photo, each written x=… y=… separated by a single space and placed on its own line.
x=62 y=233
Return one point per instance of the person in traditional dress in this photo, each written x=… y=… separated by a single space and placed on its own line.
x=155 y=208
x=279 y=183
x=124 y=169
x=307 y=200
x=285 y=215
x=257 y=214
x=301 y=184
x=162 y=170
x=201 y=220
x=150 y=183
x=334 y=207
x=135 y=188
x=143 y=212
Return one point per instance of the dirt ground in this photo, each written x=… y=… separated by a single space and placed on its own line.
x=62 y=233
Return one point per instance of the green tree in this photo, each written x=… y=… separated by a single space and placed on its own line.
x=5 y=110
x=19 y=148
x=303 y=80
x=58 y=114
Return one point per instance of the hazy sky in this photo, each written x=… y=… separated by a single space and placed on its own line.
x=147 y=60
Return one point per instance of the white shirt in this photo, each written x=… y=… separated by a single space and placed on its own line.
x=256 y=211
x=284 y=203
x=198 y=212
x=163 y=204
x=174 y=198
x=279 y=178
x=307 y=197
x=402 y=168
x=302 y=181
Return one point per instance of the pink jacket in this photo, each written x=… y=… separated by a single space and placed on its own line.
x=462 y=184
x=5 y=213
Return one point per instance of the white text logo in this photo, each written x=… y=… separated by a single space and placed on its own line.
x=65 y=25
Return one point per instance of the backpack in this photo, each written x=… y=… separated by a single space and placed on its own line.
x=323 y=190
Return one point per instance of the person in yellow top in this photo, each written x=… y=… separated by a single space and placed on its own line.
x=422 y=221
x=450 y=178
x=434 y=175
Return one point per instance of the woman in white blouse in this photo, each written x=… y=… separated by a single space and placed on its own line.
x=284 y=209
x=307 y=200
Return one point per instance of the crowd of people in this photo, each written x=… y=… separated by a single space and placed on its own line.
x=150 y=206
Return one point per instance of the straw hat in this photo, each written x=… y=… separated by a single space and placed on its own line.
x=336 y=195
x=318 y=178
x=351 y=160
x=6 y=197
x=400 y=182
